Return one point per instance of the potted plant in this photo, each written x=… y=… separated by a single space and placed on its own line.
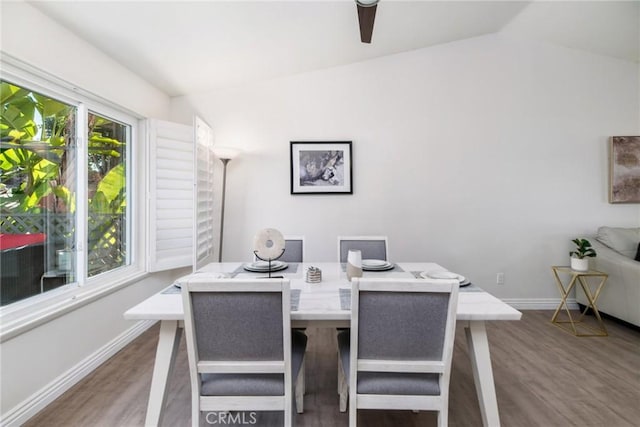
x=579 y=261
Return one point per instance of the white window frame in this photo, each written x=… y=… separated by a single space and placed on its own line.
x=134 y=199
x=21 y=316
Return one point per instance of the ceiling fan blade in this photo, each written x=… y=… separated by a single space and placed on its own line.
x=366 y=17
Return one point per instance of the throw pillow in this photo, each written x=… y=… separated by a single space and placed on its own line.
x=638 y=253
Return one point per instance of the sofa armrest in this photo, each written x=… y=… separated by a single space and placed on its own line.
x=608 y=257
x=621 y=293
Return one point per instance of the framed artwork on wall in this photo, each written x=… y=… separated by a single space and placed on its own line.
x=321 y=167
x=624 y=169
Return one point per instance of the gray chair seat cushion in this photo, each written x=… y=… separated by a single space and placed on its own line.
x=242 y=385
x=398 y=383
x=255 y=384
x=387 y=382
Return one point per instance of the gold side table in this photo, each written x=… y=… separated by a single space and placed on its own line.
x=582 y=278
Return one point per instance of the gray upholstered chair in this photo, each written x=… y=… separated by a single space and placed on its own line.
x=294 y=249
x=241 y=350
x=294 y=252
x=399 y=350
x=372 y=247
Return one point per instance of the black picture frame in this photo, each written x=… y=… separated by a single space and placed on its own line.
x=321 y=167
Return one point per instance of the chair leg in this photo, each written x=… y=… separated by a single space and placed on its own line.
x=303 y=378
x=442 y=418
x=300 y=389
x=195 y=414
x=288 y=415
x=339 y=372
x=443 y=413
x=353 y=415
x=343 y=387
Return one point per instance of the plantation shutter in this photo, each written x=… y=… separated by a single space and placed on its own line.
x=204 y=224
x=170 y=194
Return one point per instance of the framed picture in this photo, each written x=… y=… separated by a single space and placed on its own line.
x=321 y=167
x=624 y=169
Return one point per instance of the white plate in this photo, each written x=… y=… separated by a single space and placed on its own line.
x=275 y=266
x=265 y=264
x=372 y=263
x=384 y=267
x=442 y=275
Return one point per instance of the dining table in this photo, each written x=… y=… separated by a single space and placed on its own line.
x=325 y=304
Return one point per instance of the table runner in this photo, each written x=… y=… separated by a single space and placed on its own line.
x=292 y=268
x=294 y=294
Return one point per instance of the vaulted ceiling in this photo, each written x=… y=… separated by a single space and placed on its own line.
x=184 y=47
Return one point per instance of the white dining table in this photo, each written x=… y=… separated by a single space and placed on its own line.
x=319 y=305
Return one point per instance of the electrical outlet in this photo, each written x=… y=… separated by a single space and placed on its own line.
x=500 y=278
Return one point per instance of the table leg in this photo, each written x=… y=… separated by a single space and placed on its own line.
x=578 y=277
x=563 y=302
x=591 y=303
x=478 y=344
x=168 y=342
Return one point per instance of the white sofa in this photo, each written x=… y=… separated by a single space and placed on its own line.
x=616 y=249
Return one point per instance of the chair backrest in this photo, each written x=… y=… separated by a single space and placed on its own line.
x=237 y=326
x=294 y=249
x=372 y=247
x=402 y=325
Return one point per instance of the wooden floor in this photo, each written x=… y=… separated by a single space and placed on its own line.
x=543 y=375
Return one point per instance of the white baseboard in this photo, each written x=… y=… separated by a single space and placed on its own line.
x=539 y=303
x=36 y=402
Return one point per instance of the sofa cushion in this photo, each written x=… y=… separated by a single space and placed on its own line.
x=623 y=240
x=638 y=253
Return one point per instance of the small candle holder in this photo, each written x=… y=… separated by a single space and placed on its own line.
x=313 y=275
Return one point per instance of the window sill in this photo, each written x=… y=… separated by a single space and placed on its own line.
x=14 y=322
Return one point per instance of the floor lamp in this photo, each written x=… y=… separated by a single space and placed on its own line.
x=225 y=154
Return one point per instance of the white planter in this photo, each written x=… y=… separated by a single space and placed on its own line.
x=580 y=264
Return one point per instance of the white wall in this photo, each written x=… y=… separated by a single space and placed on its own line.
x=486 y=155
x=37 y=360
x=34 y=38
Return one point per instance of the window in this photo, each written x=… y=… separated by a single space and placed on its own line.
x=65 y=204
x=107 y=194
